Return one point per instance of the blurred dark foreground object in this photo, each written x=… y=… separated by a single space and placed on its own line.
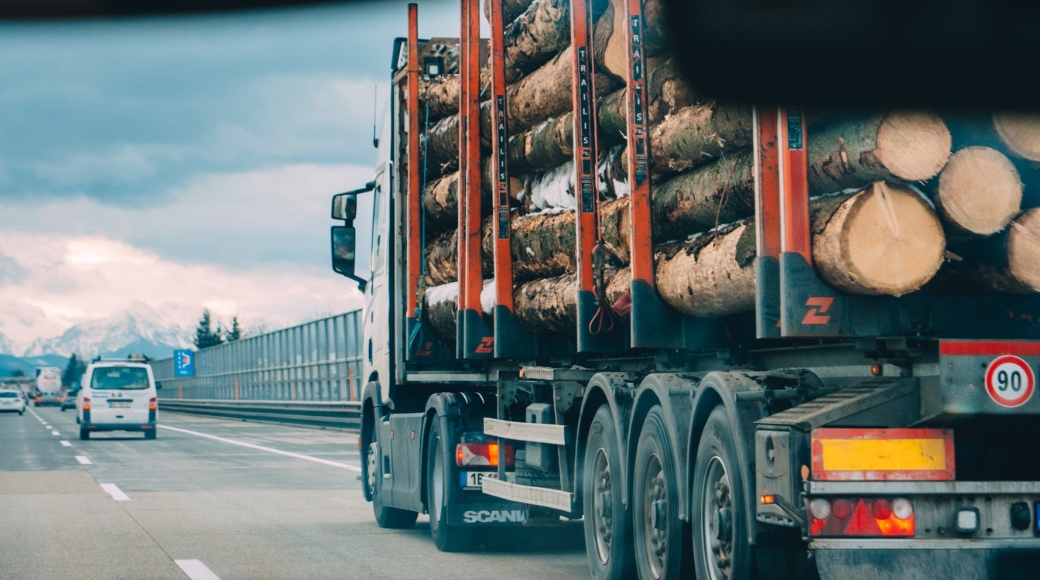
x=955 y=54
x=967 y=54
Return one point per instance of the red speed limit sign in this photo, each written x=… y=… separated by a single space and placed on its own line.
x=1009 y=381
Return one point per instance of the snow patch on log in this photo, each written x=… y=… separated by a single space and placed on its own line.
x=444 y=293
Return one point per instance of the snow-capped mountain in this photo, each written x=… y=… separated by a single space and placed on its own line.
x=138 y=329
x=21 y=323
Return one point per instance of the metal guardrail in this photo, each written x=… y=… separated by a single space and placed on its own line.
x=344 y=415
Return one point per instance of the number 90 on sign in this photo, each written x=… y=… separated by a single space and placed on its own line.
x=1010 y=381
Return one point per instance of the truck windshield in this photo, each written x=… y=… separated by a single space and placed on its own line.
x=121 y=378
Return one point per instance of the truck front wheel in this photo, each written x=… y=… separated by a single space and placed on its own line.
x=608 y=525
x=386 y=517
x=658 y=531
x=720 y=545
x=448 y=538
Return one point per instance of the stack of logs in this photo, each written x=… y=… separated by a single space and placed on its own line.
x=897 y=196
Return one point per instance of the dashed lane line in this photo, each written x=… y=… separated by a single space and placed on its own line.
x=267 y=449
x=114 y=491
x=196 y=570
x=83 y=460
x=66 y=444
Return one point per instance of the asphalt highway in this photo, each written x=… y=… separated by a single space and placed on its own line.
x=216 y=499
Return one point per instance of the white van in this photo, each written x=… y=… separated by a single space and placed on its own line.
x=117 y=396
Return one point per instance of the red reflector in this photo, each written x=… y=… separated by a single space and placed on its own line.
x=881 y=509
x=480 y=454
x=841 y=509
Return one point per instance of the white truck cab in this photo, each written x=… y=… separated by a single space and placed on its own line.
x=117 y=396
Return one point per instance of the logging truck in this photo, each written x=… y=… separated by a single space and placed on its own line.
x=798 y=372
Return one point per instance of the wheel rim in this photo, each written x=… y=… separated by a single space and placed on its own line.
x=373 y=467
x=717 y=520
x=437 y=486
x=603 y=509
x=655 y=515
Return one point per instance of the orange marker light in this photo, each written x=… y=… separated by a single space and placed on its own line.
x=768 y=499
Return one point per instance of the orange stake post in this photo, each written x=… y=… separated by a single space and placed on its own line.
x=413 y=256
x=767 y=221
x=794 y=184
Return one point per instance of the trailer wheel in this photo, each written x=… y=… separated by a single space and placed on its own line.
x=608 y=525
x=659 y=537
x=386 y=517
x=447 y=538
x=720 y=547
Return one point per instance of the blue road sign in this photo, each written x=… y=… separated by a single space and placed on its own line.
x=183 y=363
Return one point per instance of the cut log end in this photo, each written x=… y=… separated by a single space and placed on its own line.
x=979 y=191
x=884 y=240
x=914 y=146
x=1024 y=249
x=1020 y=132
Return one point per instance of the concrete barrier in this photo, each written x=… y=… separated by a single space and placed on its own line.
x=343 y=415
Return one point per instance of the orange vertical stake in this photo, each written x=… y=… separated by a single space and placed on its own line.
x=794 y=183
x=463 y=134
x=641 y=242
x=584 y=106
x=469 y=299
x=767 y=182
x=413 y=256
x=500 y=138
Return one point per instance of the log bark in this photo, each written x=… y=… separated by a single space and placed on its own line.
x=978 y=192
x=541 y=32
x=698 y=134
x=442 y=307
x=441 y=200
x=882 y=240
x=442 y=94
x=714 y=194
x=511 y=9
x=897 y=146
x=1006 y=262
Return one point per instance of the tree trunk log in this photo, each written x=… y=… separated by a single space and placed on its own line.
x=714 y=194
x=610 y=43
x=556 y=188
x=441 y=200
x=1006 y=262
x=511 y=9
x=698 y=134
x=442 y=307
x=1020 y=133
x=883 y=240
x=442 y=94
x=898 y=146
x=978 y=192
x=538 y=34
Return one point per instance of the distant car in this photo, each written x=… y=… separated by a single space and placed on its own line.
x=69 y=402
x=11 y=401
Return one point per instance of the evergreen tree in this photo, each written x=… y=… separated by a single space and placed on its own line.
x=205 y=336
x=236 y=332
x=73 y=371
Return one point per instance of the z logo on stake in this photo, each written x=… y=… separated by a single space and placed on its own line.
x=818 y=307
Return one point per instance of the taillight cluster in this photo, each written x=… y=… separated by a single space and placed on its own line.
x=86 y=403
x=481 y=455
x=844 y=517
x=152 y=404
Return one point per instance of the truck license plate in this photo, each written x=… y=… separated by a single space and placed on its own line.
x=473 y=479
x=119 y=404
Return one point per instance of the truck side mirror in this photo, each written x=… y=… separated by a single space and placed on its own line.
x=344 y=206
x=344 y=243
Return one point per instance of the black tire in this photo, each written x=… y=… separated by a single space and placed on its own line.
x=63 y=409
x=608 y=525
x=150 y=434
x=721 y=550
x=20 y=413
x=386 y=517
x=658 y=532
x=84 y=434
x=446 y=537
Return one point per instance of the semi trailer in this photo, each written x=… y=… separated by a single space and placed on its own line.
x=821 y=432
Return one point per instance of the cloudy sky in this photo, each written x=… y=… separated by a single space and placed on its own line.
x=186 y=161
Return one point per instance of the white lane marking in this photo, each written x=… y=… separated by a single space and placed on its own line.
x=55 y=433
x=196 y=570
x=83 y=460
x=66 y=444
x=114 y=491
x=267 y=449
